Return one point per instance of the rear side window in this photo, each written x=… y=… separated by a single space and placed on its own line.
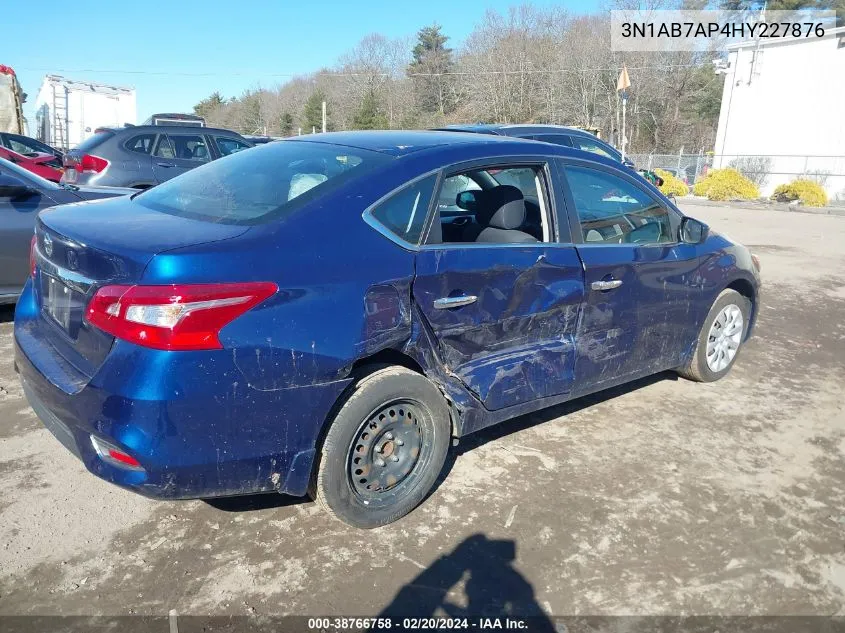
x=404 y=213
x=142 y=144
x=93 y=141
x=263 y=184
x=228 y=145
x=596 y=147
x=556 y=139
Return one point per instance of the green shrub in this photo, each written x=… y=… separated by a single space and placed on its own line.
x=809 y=192
x=672 y=185
x=726 y=184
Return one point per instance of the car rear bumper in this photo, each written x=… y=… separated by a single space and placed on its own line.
x=203 y=436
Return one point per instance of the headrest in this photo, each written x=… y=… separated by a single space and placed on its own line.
x=502 y=207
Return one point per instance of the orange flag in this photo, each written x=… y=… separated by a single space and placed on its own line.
x=624 y=81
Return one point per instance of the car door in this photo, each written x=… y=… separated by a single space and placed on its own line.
x=504 y=314
x=17 y=223
x=178 y=152
x=638 y=276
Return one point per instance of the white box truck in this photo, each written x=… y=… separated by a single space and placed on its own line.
x=68 y=111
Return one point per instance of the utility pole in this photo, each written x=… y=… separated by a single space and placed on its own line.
x=624 y=136
x=622 y=86
x=324 y=116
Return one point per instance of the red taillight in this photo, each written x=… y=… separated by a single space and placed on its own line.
x=92 y=164
x=32 y=261
x=175 y=317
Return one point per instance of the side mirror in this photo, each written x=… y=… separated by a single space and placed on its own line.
x=466 y=200
x=693 y=231
x=12 y=187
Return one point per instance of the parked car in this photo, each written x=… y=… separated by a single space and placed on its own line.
x=142 y=156
x=557 y=134
x=28 y=146
x=44 y=165
x=302 y=317
x=22 y=195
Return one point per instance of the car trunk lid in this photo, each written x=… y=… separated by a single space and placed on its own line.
x=82 y=247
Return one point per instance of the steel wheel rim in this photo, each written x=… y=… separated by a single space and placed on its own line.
x=724 y=338
x=389 y=451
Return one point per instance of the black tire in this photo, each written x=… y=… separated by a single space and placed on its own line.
x=697 y=368
x=368 y=473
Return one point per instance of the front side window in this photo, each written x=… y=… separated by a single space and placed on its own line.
x=228 y=145
x=612 y=210
x=404 y=213
x=260 y=185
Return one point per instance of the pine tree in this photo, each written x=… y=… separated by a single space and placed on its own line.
x=313 y=114
x=369 y=115
x=286 y=124
x=208 y=105
x=432 y=59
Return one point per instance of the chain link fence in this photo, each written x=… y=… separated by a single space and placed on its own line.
x=767 y=172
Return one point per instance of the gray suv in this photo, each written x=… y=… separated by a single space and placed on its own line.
x=145 y=155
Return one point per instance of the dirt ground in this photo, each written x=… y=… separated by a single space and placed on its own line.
x=662 y=497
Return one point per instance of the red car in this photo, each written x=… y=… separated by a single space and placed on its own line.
x=45 y=165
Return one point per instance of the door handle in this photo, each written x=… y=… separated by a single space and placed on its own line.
x=164 y=164
x=609 y=284
x=444 y=303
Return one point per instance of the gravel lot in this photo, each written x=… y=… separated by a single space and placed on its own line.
x=662 y=497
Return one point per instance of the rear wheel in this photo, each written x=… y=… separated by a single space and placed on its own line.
x=720 y=339
x=384 y=448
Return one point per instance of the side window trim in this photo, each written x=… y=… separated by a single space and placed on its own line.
x=370 y=219
x=572 y=212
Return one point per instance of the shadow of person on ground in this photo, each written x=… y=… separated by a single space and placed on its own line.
x=492 y=587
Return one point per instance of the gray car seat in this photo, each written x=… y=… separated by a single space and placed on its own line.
x=502 y=214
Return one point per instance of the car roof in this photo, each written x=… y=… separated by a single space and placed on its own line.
x=505 y=128
x=403 y=142
x=167 y=129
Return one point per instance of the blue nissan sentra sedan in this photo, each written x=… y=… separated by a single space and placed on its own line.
x=325 y=314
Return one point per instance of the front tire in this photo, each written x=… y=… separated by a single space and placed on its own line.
x=720 y=339
x=384 y=449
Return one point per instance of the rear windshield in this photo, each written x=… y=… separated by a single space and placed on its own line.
x=262 y=183
x=92 y=141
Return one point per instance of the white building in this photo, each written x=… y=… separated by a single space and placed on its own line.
x=785 y=99
x=67 y=111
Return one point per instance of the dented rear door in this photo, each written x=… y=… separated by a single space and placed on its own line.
x=510 y=337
